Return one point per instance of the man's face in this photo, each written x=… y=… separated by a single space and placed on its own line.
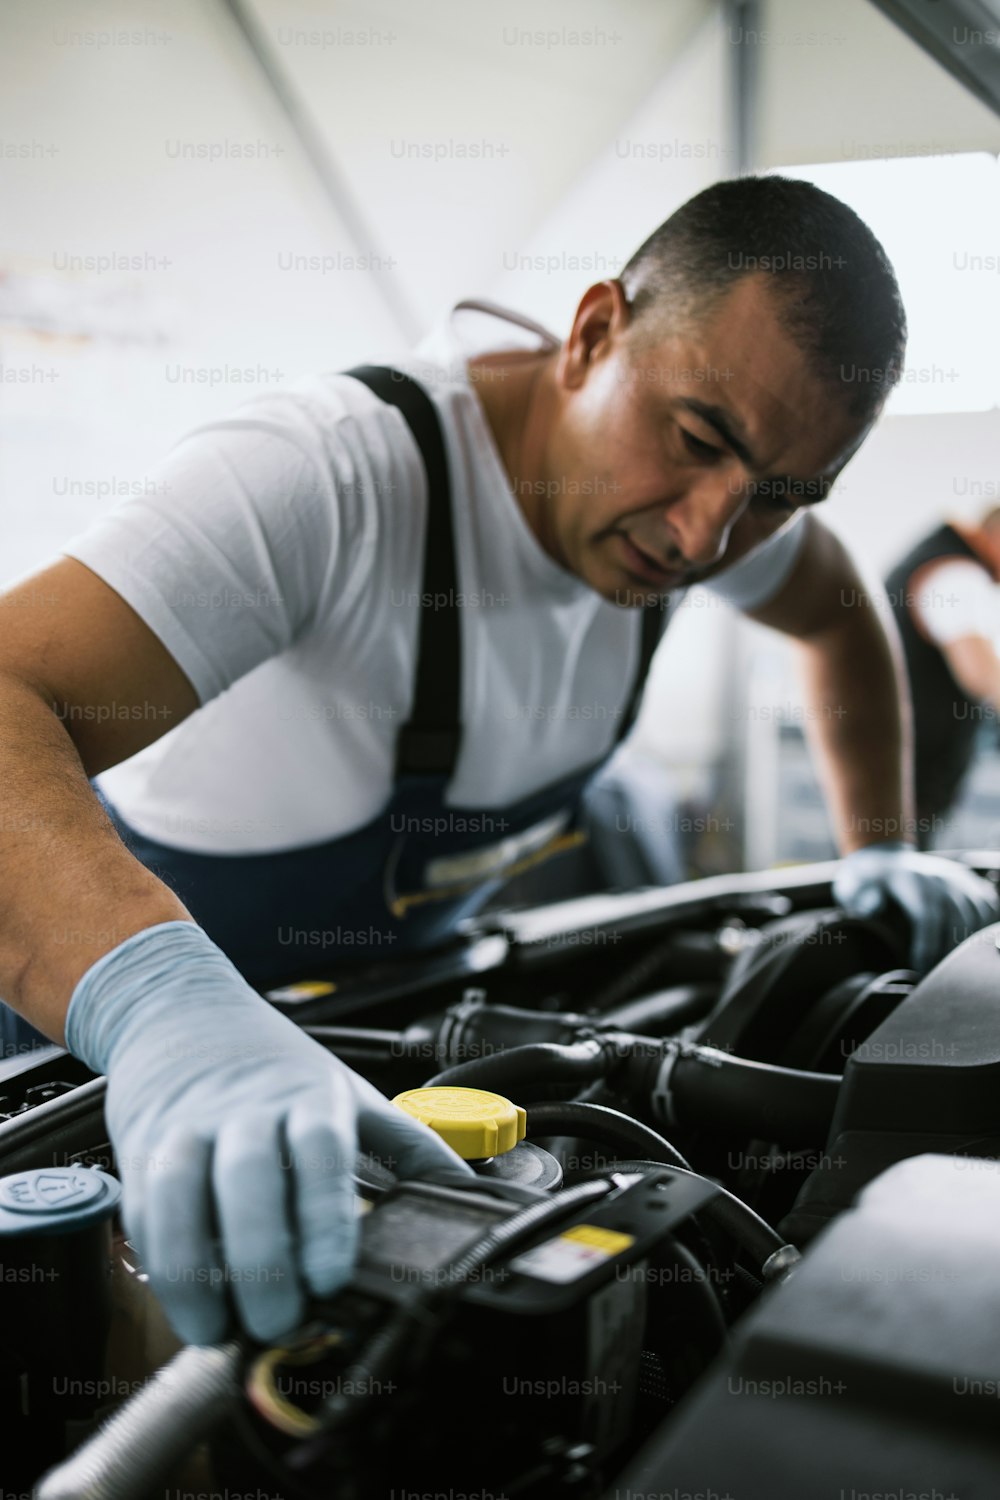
x=669 y=455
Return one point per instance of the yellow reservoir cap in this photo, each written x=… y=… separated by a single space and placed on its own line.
x=473 y=1122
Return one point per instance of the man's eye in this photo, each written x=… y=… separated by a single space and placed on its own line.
x=697 y=447
x=766 y=505
x=773 y=492
x=787 y=494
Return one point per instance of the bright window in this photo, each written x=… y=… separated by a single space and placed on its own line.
x=938 y=218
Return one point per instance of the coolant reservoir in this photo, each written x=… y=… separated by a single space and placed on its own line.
x=55 y=1308
x=486 y=1130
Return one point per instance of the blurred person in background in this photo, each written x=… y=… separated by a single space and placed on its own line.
x=943 y=594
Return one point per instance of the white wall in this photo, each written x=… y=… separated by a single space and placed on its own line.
x=209 y=295
x=120 y=124
x=841 y=82
x=537 y=90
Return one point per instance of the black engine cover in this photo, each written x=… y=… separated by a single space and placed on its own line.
x=928 y=1079
x=872 y=1371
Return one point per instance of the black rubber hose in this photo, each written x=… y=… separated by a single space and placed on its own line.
x=666 y=1010
x=520 y=1069
x=494 y=1028
x=596 y=1122
x=752 y=1233
x=636 y=975
x=698 y=1284
x=706 y=1088
x=56 y=1130
x=712 y=1089
x=362 y=1047
x=359 y=1038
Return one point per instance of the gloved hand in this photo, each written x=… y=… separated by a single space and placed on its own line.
x=230 y=1123
x=943 y=901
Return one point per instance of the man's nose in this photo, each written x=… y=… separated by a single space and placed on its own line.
x=703 y=517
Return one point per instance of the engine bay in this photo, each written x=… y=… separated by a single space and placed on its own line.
x=745 y=1243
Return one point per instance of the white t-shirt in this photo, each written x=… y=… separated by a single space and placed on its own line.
x=956 y=598
x=279 y=559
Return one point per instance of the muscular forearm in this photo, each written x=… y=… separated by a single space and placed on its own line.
x=859 y=726
x=69 y=889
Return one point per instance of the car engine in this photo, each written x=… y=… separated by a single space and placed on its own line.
x=738 y=1234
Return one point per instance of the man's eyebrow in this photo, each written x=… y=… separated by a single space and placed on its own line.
x=725 y=424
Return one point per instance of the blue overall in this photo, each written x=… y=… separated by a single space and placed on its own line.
x=405 y=880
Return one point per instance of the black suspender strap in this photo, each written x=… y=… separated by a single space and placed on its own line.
x=655 y=618
x=429 y=742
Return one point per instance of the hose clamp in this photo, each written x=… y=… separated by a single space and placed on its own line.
x=780 y=1265
x=662 y=1097
x=451 y=1033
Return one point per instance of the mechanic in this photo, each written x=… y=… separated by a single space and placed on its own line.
x=944 y=597
x=305 y=741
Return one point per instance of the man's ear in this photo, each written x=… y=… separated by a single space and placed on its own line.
x=601 y=318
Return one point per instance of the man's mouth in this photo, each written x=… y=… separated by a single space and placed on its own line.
x=645 y=565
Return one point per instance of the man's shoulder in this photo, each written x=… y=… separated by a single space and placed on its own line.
x=310 y=405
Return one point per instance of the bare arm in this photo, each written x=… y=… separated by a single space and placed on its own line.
x=856 y=690
x=975 y=666
x=83 y=684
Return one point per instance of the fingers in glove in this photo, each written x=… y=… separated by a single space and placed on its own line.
x=921 y=899
x=397 y=1141
x=179 y=1251
x=133 y=1201
x=321 y=1154
x=962 y=914
x=254 y=1206
x=868 y=899
x=983 y=894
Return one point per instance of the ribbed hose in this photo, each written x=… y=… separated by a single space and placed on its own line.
x=596 y=1122
x=692 y=1087
x=129 y=1457
x=714 y=1090
x=522 y=1069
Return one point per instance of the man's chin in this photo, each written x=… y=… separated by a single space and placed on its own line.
x=618 y=584
x=629 y=592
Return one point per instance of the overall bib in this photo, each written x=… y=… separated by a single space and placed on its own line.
x=404 y=881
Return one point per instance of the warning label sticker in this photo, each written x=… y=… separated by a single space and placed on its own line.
x=572 y=1254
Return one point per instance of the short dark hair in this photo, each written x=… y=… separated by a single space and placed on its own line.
x=835 y=289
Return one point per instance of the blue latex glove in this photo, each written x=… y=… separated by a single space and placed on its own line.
x=943 y=901
x=229 y=1122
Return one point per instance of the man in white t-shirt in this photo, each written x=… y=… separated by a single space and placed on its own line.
x=354 y=661
x=947 y=606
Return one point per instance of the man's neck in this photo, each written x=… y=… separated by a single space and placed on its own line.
x=516 y=392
